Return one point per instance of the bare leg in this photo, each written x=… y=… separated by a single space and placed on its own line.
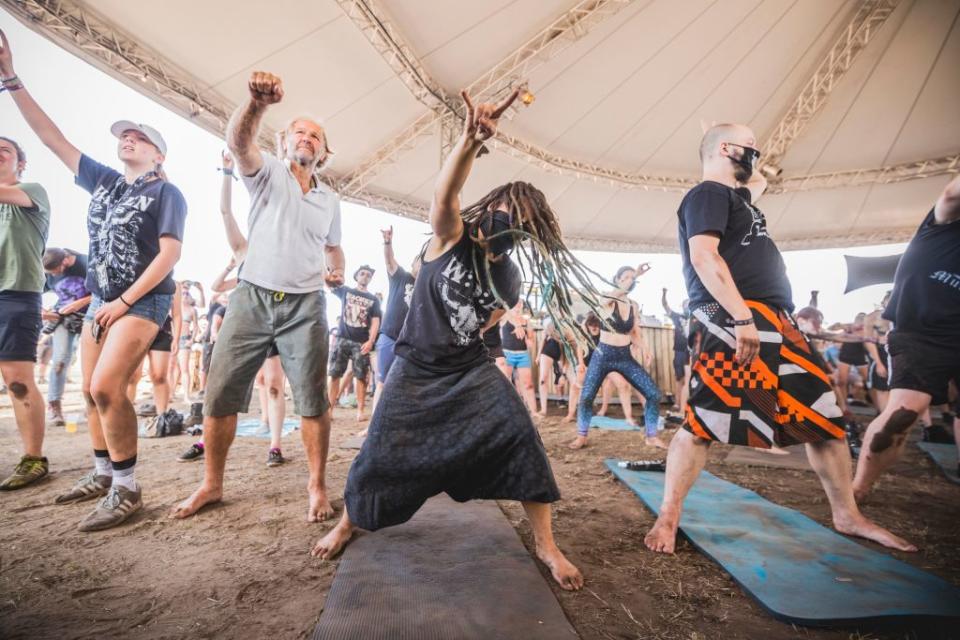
x=124 y=348
x=334 y=393
x=566 y=575
x=831 y=460
x=504 y=368
x=316 y=441
x=606 y=393
x=184 y=357
x=89 y=354
x=218 y=435
x=574 y=398
x=276 y=405
x=159 y=367
x=361 y=398
x=886 y=436
x=843 y=384
x=331 y=544
x=685 y=460
x=27 y=404
x=132 y=385
x=546 y=370
x=525 y=387
x=685 y=387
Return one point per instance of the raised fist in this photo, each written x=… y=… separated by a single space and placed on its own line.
x=265 y=88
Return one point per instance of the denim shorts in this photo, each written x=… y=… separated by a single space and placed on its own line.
x=517 y=359
x=153 y=307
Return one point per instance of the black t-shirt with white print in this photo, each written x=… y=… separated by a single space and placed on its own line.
x=398 y=303
x=753 y=258
x=926 y=290
x=359 y=310
x=125 y=223
x=451 y=304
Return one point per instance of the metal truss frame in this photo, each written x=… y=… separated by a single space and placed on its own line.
x=866 y=22
x=76 y=28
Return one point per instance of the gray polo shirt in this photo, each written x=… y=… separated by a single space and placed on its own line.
x=288 y=230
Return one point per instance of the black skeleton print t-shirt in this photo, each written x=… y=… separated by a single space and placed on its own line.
x=125 y=223
x=926 y=290
x=451 y=303
x=753 y=258
x=398 y=303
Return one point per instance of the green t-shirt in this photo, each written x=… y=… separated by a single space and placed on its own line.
x=23 y=235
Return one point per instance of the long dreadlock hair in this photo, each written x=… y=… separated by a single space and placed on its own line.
x=543 y=257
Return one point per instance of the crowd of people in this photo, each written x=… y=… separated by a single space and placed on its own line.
x=451 y=353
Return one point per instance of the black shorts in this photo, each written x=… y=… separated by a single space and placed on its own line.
x=681 y=359
x=876 y=382
x=853 y=354
x=19 y=326
x=918 y=364
x=551 y=348
x=164 y=339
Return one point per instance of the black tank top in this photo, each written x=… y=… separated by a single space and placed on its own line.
x=617 y=323
x=510 y=341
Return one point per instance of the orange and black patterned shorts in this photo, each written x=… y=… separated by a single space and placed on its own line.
x=783 y=398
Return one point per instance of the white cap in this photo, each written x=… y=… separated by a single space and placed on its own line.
x=152 y=134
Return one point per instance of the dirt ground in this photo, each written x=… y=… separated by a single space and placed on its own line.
x=242 y=569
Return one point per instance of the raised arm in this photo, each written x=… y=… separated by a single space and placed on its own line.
x=666 y=305
x=222 y=283
x=39 y=121
x=388 y=255
x=947 y=208
x=265 y=89
x=716 y=277
x=235 y=237
x=479 y=125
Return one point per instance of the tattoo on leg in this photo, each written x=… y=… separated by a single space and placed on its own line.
x=893 y=431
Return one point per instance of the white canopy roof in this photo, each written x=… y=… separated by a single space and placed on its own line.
x=856 y=100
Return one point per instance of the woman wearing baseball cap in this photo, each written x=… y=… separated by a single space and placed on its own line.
x=135 y=222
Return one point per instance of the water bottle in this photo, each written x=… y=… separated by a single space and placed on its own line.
x=643 y=465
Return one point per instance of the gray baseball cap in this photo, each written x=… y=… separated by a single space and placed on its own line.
x=152 y=134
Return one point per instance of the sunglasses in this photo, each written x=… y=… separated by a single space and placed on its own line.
x=750 y=154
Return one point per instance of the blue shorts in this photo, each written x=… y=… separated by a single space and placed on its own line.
x=385 y=355
x=517 y=359
x=19 y=326
x=153 y=307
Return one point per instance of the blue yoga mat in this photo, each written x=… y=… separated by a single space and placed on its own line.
x=797 y=570
x=612 y=424
x=944 y=456
x=248 y=428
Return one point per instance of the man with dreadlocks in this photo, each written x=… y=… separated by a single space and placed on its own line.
x=449 y=421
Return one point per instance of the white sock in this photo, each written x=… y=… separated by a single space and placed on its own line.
x=125 y=478
x=103 y=466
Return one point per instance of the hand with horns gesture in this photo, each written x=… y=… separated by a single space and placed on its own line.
x=481 y=121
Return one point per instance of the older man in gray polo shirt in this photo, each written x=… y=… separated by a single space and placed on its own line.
x=293 y=250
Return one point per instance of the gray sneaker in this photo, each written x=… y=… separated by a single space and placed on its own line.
x=88 y=487
x=119 y=504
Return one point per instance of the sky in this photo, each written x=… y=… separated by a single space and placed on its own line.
x=84 y=102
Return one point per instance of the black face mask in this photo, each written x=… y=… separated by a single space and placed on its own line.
x=493 y=224
x=744 y=165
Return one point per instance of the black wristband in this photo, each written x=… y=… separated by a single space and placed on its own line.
x=387 y=244
x=12 y=78
x=743 y=323
x=129 y=306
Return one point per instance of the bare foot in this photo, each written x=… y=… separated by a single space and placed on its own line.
x=361 y=417
x=579 y=443
x=569 y=418
x=861 y=527
x=362 y=433
x=655 y=441
x=332 y=544
x=603 y=411
x=319 y=509
x=200 y=498
x=662 y=538
x=541 y=414
x=563 y=571
x=631 y=422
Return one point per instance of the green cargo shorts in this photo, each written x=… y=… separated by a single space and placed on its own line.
x=255 y=319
